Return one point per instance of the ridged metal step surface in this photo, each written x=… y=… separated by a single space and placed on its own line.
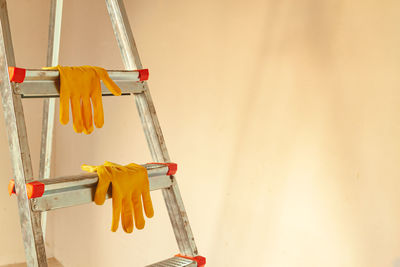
x=174 y=262
x=79 y=189
x=46 y=83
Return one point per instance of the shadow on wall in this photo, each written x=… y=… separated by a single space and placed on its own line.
x=294 y=175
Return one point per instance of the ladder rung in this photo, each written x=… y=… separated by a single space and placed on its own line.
x=174 y=262
x=45 y=83
x=75 y=190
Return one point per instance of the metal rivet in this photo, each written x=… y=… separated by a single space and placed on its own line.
x=16 y=88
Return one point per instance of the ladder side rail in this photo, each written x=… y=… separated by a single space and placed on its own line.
x=46 y=146
x=152 y=129
x=19 y=149
x=53 y=48
x=130 y=56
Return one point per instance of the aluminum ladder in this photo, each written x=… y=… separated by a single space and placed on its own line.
x=48 y=194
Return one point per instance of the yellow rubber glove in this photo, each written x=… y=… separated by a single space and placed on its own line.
x=79 y=85
x=130 y=185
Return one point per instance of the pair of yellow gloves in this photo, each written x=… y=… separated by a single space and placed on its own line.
x=82 y=87
x=130 y=185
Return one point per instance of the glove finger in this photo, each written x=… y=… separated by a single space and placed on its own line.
x=102 y=185
x=76 y=114
x=147 y=203
x=51 y=68
x=117 y=205
x=111 y=85
x=126 y=215
x=87 y=115
x=89 y=168
x=98 y=110
x=108 y=82
x=64 y=107
x=64 y=96
x=138 y=210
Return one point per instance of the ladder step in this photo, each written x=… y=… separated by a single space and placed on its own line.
x=62 y=192
x=46 y=83
x=174 y=262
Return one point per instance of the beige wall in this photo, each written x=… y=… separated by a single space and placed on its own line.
x=283 y=115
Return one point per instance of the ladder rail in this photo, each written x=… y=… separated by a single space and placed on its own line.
x=46 y=146
x=53 y=47
x=131 y=60
x=19 y=149
x=152 y=129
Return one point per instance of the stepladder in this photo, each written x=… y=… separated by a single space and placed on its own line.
x=38 y=195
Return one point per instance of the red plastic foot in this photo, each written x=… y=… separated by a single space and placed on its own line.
x=34 y=189
x=172 y=167
x=16 y=74
x=143 y=74
x=201 y=261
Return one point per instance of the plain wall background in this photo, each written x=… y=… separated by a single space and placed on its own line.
x=284 y=118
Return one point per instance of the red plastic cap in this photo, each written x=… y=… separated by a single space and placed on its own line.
x=11 y=187
x=34 y=189
x=201 y=261
x=143 y=74
x=16 y=74
x=172 y=167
